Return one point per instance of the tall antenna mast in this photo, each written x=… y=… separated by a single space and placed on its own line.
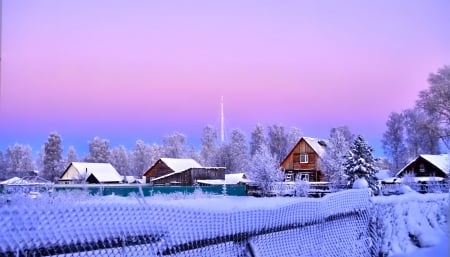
x=222 y=133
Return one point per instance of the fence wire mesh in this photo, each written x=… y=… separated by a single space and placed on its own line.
x=336 y=225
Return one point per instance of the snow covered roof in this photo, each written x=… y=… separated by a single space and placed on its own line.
x=103 y=172
x=318 y=145
x=13 y=180
x=235 y=178
x=440 y=161
x=179 y=165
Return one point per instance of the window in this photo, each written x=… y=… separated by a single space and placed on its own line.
x=304 y=158
x=288 y=177
x=303 y=176
x=422 y=168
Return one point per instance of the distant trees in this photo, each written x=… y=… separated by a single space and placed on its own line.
x=141 y=158
x=119 y=160
x=209 y=147
x=71 y=155
x=98 y=151
x=258 y=139
x=264 y=170
x=19 y=161
x=234 y=154
x=277 y=141
x=174 y=145
x=52 y=158
x=393 y=140
x=360 y=163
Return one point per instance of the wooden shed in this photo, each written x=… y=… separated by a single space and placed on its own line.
x=427 y=165
x=173 y=171
x=303 y=161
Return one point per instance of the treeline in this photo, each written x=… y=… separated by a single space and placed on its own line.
x=425 y=127
x=235 y=153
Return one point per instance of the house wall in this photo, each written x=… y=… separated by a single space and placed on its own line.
x=422 y=168
x=71 y=174
x=188 y=177
x=291 y=165
x=158 y=170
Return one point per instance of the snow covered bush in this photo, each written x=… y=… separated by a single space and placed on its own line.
x=264 y=170
x=301 y=187
x=360 y=163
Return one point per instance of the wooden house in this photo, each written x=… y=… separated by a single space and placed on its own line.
x=92 y=173
x=186 y=172
x=303 y=161
x=427 y=165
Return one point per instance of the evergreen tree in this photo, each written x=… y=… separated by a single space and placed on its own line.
x=360 y=163
x=264 y=170
x=52 y=159
x=337 y=148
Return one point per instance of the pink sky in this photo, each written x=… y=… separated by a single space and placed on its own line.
x=128 y=70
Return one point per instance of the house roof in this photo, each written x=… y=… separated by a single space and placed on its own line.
x=103 y=172
x=440 y=161
x=318 y=145
x=179 y=165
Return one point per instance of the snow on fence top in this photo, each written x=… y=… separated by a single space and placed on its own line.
x=167 y=226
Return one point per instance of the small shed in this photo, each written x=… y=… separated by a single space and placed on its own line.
x=427 y=165
x=92 y=173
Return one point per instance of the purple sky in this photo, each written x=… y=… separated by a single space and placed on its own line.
x=127 y=70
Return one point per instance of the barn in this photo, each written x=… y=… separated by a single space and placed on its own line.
x=186 y=172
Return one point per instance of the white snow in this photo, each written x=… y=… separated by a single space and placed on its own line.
x=316 y=146
x=441 y=161
x=104 y=172
x=179 y=165
x=360 y=183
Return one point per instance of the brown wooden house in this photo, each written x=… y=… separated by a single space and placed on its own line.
x=183 y=172
x=303 y=161
x=427 y=165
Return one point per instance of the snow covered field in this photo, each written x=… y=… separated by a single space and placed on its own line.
x=277 y=226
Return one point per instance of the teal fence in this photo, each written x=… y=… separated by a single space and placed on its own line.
x=148 y=190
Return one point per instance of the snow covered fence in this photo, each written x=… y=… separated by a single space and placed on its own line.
x=403 y=223
x=336 y=225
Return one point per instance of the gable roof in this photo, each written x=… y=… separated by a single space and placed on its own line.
x=318 y=145
x=179 y=165
x=103 y=172
x=440 y=161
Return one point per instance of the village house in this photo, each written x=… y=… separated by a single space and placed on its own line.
x=426 y=166
x=185 y=172
x=92 y=173
x=303 y=161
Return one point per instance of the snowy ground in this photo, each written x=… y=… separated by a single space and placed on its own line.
x=424 y=216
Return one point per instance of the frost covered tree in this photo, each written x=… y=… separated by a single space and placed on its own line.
x=174 y=145
x=258 y=139
x=337 y=148
x=293 y=137
x=141 y=158
x=119 y=160
x=19 y=161
x=209 y=146
x=360 y=163
x=52 y=159
x=71 y=155
x=421 y=133
x=2 y=166
x=264 y=170
x=393 y=141
x=234 y=154
x=277 y=140
x=435 y=101
x=98 y=151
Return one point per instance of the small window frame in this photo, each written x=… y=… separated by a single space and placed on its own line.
x=304 y=158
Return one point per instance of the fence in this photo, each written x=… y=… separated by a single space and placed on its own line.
x=335 y=225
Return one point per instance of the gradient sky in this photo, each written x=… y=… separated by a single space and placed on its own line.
x=127 y=70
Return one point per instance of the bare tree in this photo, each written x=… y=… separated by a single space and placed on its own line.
x=394 y=141
x=174 y=145
x=52 y=159
x=119 y=160
x=98 y=151
x=278 y=144
x=258 y=139
x=209 y=146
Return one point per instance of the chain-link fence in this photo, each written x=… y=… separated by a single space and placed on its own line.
x=336 y=225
